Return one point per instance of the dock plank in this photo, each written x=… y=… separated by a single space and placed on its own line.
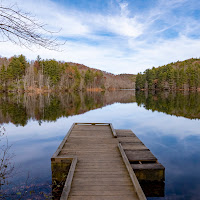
x=143 y=162
x=100 y=172
x=129 y=139
x=144 y=155
x=115 y=197
x=134 y=146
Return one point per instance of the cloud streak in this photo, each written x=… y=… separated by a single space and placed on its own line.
x=119 y=40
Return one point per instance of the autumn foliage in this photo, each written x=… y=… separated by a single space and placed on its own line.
x=17 y=74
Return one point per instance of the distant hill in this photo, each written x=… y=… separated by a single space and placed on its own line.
x=17 y=74
x=181 y=75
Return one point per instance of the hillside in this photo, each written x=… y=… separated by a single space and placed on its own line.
x=181 y=75
x=19 y=75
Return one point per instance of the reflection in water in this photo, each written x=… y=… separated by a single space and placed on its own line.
x=151 y=178
x=179 y=104
x=8 y=188
x=60 y=171
x=6 y=162
x=18 y=109
x=153 y=188
x=174 y=141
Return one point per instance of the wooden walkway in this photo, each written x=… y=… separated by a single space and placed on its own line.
x=100 y=169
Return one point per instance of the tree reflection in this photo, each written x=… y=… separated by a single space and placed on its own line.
x=19 y=108
x=174 y=103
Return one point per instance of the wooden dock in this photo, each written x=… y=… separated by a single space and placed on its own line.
x=144 y=164
x=99 y=168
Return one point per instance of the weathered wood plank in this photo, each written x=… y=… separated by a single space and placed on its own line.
x=143 y=162
x=124 y=133
x=100 y=172
x=91 y=140
x=63 y=142
x=103 y=188
x=113 y=131
x=123 y=130
x=96 y=156
x=88 y=152
x=91 y=128
x=96 y=182
x=94 y=135
x=132 y=175
x=150 y=172
x=102 y=175
x=134 y=146
x=105 y=167
x=122 y=173
x=90 y=132
x=68 y=183
x=142 y=155
x=100 y=160
x=148 y=166
x=101 y=164
x=101 y=193
x=91 y=146
x=115 y=197
x=128 y=139
x=103 y=179
x=110 y=170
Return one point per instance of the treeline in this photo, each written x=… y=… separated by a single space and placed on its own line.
x=183 y=75
x=21 y=107
x=17 y=74
x=171 y=102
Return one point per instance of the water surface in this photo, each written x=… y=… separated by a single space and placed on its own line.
x=168 y=124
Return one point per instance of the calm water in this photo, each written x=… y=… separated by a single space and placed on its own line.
x=168 y=124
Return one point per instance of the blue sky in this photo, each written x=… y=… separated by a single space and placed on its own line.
x=114 y=35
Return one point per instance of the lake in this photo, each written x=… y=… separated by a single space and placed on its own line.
x=167 y=123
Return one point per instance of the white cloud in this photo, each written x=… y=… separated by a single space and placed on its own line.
x=124 y=26
x=122 y=42
x=124 y=8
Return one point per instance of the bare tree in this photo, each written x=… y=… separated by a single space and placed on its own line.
x=2 y=131
x=24 y=29
x=6 y=166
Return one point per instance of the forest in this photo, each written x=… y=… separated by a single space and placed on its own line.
x=19 y=75
x=181 y=75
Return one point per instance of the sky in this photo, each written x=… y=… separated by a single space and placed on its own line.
x=114 y=35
